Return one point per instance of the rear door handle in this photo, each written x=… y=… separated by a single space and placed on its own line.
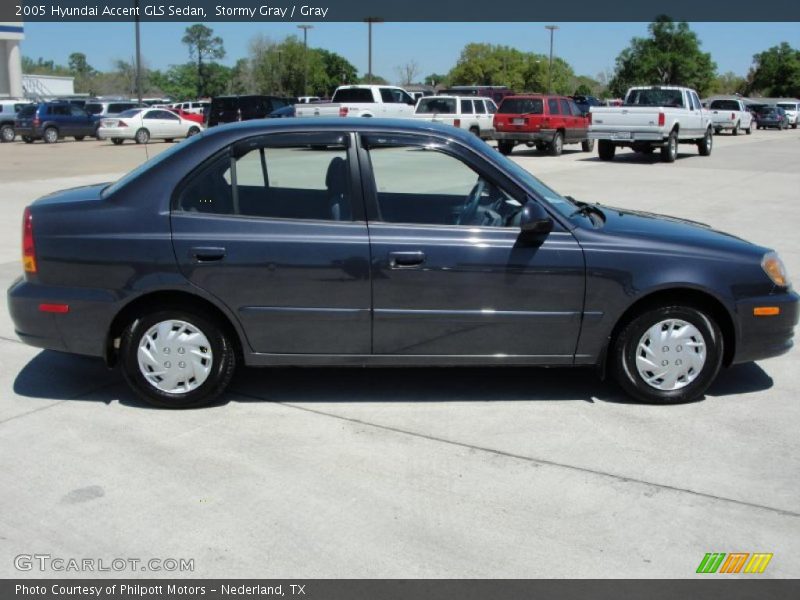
x=207 y=253
x=405 y=260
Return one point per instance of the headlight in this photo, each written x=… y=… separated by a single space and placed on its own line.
x=775 y=269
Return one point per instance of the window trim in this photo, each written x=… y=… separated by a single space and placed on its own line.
x=275 y=140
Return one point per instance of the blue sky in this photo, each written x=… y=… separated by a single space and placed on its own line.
x=590 y=47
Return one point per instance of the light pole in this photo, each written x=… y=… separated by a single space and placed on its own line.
x=369 y=21
x=305 y=29
x=552 y=28
x=138 y=76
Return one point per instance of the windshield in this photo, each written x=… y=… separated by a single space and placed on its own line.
x=131 y=113
x=655 y=97
x=93 y=108
x=442 y=106
x=149 y=164
x=520 y=106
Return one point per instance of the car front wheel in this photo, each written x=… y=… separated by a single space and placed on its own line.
x=51 y=135
x=177 y=358
x=669 y=354
x=705 y=145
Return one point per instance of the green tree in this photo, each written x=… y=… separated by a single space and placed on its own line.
x=203 y=47
x=671 y=55
x=435 y=79
x=338 y=69
x=83 y=72
x=728 y=83
x=776 y=72
x=43 y=67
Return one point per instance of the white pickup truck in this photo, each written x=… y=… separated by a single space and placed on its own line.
x=361 y=101
x=730 y=114
x=474 y=114
x=652 y=117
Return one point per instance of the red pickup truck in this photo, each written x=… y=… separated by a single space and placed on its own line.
x=542 y=120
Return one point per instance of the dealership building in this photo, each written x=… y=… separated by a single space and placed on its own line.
x=11 y=60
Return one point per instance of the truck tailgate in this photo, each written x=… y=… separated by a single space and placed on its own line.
x=317 y=110
x=625 y=118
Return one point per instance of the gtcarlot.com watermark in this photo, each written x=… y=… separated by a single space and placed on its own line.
x=58 y=564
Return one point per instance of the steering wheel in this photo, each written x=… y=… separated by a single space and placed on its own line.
x=471 y=205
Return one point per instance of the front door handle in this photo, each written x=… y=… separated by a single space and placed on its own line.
x=405 y=260
x=207 y=253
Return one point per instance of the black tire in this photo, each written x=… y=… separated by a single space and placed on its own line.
x=540 y=146
x=705 y=145
x=193 y=131
x=556 y=147
x=587 y=145
x=7 y=133
x=169 y=140
x=670 y=152
x=717 y=131
x=794 y=125
x=27 y=139
x=79 y=138
x=625 y=348
x=475 y=131
x=749 y=130
x=735 y=130
x=50 y=135
x=606 y=150
x=505 y=147
x=142 y=136
x=117 y=141
x=222 y=353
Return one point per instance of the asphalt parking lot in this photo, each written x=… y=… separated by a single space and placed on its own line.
x=447 y=473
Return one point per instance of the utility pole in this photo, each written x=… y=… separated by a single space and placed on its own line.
x=552 y=28
x=369 y=21
x=138 y=77
x=305 y=29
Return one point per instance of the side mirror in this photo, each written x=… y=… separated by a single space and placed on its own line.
x=535 y=219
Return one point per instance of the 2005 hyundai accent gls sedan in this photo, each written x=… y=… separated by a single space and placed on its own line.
x=372 y=242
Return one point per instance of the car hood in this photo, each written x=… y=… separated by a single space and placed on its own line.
x=656 y=228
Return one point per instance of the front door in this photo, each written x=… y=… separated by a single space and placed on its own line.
x=273 y=227
x=450 y=274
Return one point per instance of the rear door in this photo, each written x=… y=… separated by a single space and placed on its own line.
x=273 y=226
x=553 y=121
x=451 y=276
x=580 y=124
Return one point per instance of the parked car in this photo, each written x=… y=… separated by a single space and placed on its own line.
x=145 y=124
x=8 y=114
x=368 y=242
x=362 y=101
x=229 y=109
x=195 y=117
x=585 y=103
x=473 y=114
x=653 y=117
x=103 y=108
x=771 y=116
x=196 y=107
x=792 y=110
x=495 y=92
x=308 y=99
x=730 y=115
x=545 y=121
x=51 y=121
x=282 y=113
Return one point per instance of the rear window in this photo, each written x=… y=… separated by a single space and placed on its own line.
x=353 y=95
x=655 y=97
x=724 y=105
x=131 y=113
x=93 y=108
x=520 y=106
x=119 y=107
x=226 y=103
x=433 y=105
x=787 y=105
x=28 y=111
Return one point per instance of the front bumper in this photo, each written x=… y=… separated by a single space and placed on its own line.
x=765 y=337
x=82 y=330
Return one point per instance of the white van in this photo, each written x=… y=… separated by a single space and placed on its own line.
x=792 y=108
x=473 y=113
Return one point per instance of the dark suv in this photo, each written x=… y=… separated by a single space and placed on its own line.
x=51 y=121
x=229 y=109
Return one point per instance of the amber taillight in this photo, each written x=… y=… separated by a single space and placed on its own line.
x=28 y=249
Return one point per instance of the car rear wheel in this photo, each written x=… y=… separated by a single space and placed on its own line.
x=670 y=152
x=193 y=131
x=142 y=136
x=794 y=125
x=169 y=140
x=80 y=137
x=749 y=130
x=735 y=130
x=705 y=145
x=587 y=145
x=7 y=134
x=606 y=150
x=505 y=147
x=177 y=358
x=667 y=355
x=557 y=145
x=51 y=135
x=475 y=131
x=116 y=141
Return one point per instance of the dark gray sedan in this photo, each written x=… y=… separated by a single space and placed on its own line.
x=370 y=242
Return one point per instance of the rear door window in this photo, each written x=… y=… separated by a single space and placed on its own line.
x=466 y=107
x=564 y=105
x=552 y=106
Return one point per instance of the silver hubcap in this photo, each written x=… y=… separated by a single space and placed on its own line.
x=175 y=357
x=670 y=355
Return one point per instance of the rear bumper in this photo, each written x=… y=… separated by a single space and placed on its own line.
x=82 y=330
x=107 y=133
x=543 y=135
x=30 y=132
x=765 y=337
x=627 y=137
